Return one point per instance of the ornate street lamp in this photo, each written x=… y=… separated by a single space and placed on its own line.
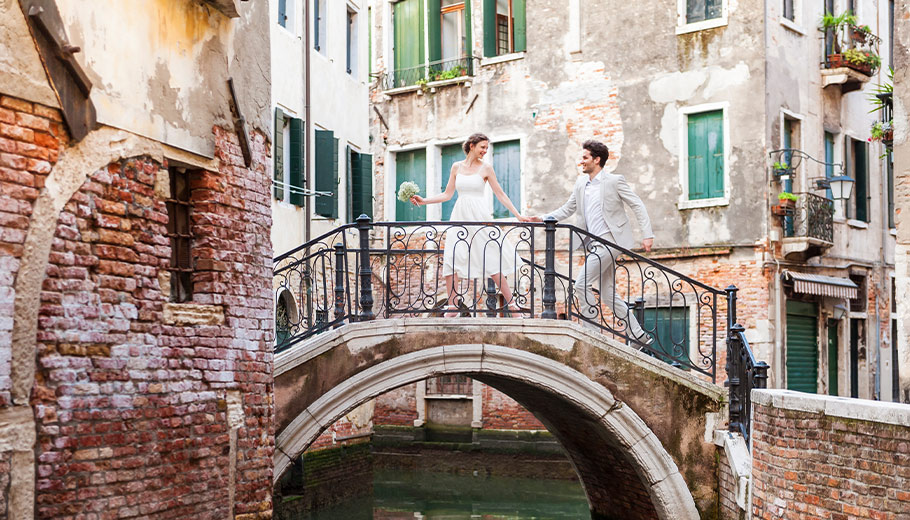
x=841 y=187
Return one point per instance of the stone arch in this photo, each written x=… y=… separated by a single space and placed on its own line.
x=528 y=377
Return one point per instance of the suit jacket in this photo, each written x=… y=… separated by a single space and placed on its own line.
x=615 y=192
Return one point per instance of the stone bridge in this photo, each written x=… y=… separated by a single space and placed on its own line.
x=638 y=431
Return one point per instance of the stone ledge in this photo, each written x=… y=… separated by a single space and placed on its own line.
x=17 y=429
x=843 y=407
x=182 y=314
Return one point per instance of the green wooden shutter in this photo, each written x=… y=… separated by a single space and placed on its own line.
x=829 y=160
x=450 y=155
x=298 y=157
x=361 y=185
x=434 y=30
x=833 y=349
x=411 y=166
x=468 y=43
x=278 y=154
x=706 y=155
x=507 y=165
x=671 y=329
x=349 y=182
x=518 y=21
x=489 y=28
x=802 y=347
x=862 y=181
x=326 y=173
x=408 y=41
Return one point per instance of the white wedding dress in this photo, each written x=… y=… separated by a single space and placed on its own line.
x=475 y=251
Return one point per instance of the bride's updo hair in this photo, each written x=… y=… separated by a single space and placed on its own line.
x=473 y=140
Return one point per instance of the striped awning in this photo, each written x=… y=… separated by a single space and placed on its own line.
x=820 y=285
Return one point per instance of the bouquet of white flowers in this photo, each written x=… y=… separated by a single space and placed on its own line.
x=407 y=190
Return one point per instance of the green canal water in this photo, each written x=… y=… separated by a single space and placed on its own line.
x=399 y=495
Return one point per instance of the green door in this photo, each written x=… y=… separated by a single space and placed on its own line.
x=361 y=187
x=411 y=166
x=802 y=346
x=450 y=155
x=671 y=331
x=507 y=164
x=408 y=41
x=832 y=357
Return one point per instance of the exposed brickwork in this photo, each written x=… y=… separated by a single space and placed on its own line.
x=132 y=413
x=808 y=465
x=501 y=412
x=727 y=489
x=398 y=407
x=338 y=433
x=327 y=477
x=31 y=138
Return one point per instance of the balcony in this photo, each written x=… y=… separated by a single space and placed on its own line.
x=850 y=53
x=809 y=231
x=429 y=76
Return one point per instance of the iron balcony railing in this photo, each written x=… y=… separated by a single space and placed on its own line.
x=432 y=71
x=813 y=217
x=397 y=269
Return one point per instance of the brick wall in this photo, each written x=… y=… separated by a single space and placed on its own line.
x=139 y=412
x=824 y=457
x=501 y=412
x=727 y=488
x=397 y=407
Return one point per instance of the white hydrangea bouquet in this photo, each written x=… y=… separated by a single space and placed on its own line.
x=407 y=190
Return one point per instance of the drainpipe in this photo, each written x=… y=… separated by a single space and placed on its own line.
x=308 y=206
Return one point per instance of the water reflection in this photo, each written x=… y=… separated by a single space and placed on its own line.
x=399 y=495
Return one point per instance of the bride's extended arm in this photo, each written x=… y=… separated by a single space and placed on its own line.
x=501 y=195
x=442 y=197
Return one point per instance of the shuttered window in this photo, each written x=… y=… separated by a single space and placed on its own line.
x=411 y=166
x=507 y=165
x=450 y=155
x=360 y=180
x=504 y=28
x=296 y=162
x=706 y=155
x=278 y=155
x=701 y=10
x=802 y=346
x=326 y=174
x=408 y=21
x=288 y=156
x=671 y=333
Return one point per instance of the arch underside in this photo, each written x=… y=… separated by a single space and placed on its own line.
x=625 y=471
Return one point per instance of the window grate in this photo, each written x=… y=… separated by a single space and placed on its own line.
x=179 y=233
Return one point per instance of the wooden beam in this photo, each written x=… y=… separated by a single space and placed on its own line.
x=240 y=127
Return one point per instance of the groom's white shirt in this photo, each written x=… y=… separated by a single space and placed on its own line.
x=614 y=193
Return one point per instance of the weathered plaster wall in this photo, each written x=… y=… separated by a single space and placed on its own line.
x=902 y=189
x=160 y=68
x=21 y=73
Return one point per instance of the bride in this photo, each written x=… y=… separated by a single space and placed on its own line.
x=480 y=253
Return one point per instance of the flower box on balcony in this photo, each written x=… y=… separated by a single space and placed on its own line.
x=839 y=60
x=782 y=210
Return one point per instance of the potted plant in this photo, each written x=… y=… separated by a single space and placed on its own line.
x=782 y=170
x=859 y=32
x=834 y=25
x=882 y=131
x=786 y=204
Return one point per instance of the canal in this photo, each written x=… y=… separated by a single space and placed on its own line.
x=400 y=494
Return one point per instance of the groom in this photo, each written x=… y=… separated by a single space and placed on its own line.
x=599 y=197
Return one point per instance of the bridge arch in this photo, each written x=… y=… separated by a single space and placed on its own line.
x=571 y=384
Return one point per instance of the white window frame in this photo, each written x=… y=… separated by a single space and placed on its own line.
x=323 y=49
x=353 y=46
x=803 y=181
x=683 y=138
x=795 y=25
x=683 y=27
x=290 y=12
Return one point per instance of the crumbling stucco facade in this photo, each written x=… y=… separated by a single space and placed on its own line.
x=634 y=76
x=115 y=398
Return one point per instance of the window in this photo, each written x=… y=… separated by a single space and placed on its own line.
x=698 y=15
x=701 y=10
x=857 y=165
x=503 y=27
x=704 y=164
x=410 y=166
x=507 y=165
x=326 y=174
x=286 y=14
x=788 y=12
x=452 y=30
x=351 y=52
x=829 y=159
x=802 y=346
x=407 y=18
x=360 y=184
x=671 y=333
x=455 y=384
x=288 y=156
x=180 y=235
x=858 y=304
x=319 y=25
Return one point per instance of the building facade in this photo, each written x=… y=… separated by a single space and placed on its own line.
x=135 y=331
x=696 y=115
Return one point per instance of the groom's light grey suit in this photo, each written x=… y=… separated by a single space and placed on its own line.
x=599 y=269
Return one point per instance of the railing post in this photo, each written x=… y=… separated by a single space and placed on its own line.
x=491 y=302
x=735 y=377
x=731 y=307
x=339 y=281
x=549 y=273
x=761 y=375
x=366 y=274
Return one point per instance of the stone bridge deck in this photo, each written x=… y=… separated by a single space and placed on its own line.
x=639 y=432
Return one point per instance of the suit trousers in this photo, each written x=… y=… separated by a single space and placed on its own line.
x=599 y=272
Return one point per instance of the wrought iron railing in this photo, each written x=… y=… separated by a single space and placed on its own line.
x=743 y=374
x=432 y=71
x=813 y=217
x=850 y=41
